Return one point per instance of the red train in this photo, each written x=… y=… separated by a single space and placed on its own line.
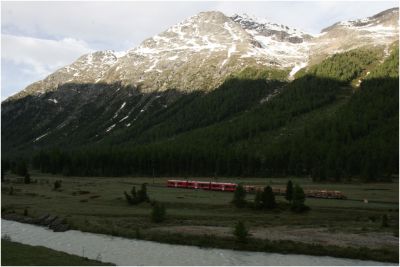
x=231 y=187
x=202 y=185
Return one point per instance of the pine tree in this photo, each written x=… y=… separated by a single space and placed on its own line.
x=239 y=197
x=240 y=232
x=142 y=194
x=289 y=191
x=268 y=198
x=298 y=199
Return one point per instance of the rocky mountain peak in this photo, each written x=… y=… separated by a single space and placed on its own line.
x=265 y=28
x=201 y=51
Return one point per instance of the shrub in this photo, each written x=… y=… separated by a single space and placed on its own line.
x=240 y=232
x=158 y=212
x=137 y=198
x=239 y=197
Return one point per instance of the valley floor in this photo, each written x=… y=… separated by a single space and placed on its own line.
x=342 y=228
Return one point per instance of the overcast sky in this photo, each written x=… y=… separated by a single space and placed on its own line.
x=39 y=37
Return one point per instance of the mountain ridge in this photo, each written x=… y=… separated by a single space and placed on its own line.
x=219 y=45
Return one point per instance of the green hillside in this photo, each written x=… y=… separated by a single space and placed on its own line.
x=255 y=124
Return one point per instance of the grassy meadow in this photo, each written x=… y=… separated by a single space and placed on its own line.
x=98 y=205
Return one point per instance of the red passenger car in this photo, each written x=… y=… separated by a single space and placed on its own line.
x=204 y=185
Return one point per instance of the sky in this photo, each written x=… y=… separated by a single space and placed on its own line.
x=37 y=38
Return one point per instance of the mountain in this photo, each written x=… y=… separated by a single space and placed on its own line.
x=213 y=82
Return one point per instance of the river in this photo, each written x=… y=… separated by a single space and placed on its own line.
x=124 y=251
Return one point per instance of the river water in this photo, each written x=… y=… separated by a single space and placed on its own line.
x=123 y=251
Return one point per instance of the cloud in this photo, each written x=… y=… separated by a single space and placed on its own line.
x=36 y=58
x=104 y=25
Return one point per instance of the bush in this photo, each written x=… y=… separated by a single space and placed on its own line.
x=158 y=212
x=137 y=198
x=239 y=197
x=240 y=232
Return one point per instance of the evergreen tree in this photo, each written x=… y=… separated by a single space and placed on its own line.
x=268 y=198
x=289 y=191
x=142 y=193
x=239 y=197
x=298 y=199
x=240 y=232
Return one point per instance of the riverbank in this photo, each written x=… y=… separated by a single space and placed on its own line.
x=123 y=251
x=17 y=254
x=283 y=246
x=350 y=229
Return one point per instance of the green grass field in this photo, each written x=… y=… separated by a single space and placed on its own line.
x=16 y=254
x=98 y=205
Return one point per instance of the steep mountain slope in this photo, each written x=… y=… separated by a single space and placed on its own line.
x=205 y=84
x=315 y=126
x=88 y=68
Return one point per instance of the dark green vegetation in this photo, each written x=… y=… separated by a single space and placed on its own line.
x=16 y=254
x=158 y=212
x=239 y=197
x=320 y=125
x=240 y=232
x=206 y=218
x=136 y=198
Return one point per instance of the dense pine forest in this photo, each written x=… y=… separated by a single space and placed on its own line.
x=325 y=124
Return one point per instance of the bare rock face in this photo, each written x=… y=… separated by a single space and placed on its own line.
x=202 y=51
